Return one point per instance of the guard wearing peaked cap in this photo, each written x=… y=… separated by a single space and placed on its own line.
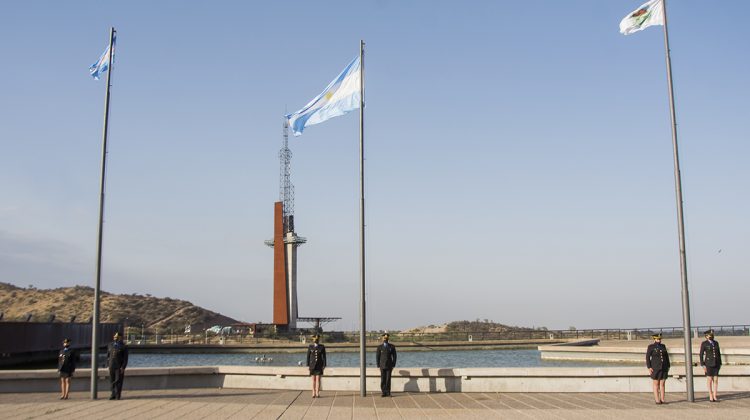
x=657 y=362
x=316 y=362
x=385 y=359
x=117 y=361
x=710 y=359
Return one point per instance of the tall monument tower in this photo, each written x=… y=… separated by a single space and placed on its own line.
x=284 y=243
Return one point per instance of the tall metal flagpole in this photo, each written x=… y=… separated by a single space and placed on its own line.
x=680 y=225
x=362 y=324
x=95 y=317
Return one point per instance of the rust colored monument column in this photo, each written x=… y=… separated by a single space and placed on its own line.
x=280 y=292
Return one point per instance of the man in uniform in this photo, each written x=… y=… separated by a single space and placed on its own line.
x=710 y=357
x=117 y=361
x=385 y=359
x=657 y=362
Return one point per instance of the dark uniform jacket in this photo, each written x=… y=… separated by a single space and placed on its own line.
x=66 y=361
x=710 y=354
x=657 y=357
x=385 y=357
x=117 y=355
x=316 y=357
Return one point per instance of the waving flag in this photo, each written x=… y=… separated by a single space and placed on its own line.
x=649 y=14
x=341 y=96
x=102 y=64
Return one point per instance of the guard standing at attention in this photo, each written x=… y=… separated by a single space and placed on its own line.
x=385 y=359
x=710 y=357
x=66 y=365
x=657 y=362
x=316 y=361
x=117 y=361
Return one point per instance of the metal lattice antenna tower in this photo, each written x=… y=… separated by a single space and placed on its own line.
x=286 y=189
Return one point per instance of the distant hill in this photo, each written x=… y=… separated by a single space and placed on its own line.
x=469 y=326
x=17 y=303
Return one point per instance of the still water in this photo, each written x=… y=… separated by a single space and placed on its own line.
x=433 y=359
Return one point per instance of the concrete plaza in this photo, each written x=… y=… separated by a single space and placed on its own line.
x=213 y=403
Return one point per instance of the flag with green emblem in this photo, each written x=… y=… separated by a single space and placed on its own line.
x=649 y=14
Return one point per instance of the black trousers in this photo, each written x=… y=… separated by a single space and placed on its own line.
x=385 y=381
x=116 y=376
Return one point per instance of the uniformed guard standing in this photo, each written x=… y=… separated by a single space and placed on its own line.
x=657 y=362
x=117 y=361
x=385 y=358
x=710 y=357
x=316 y=361
x=66 y=365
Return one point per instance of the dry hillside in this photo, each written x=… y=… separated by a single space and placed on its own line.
x=470 y=326
x=17 y=303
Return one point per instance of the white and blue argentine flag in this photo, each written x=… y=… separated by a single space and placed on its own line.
x=341 y=96
x=102 y=64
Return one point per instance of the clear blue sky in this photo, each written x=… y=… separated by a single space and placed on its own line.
x=519 y=158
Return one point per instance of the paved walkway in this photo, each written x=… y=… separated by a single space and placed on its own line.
x=273 y=404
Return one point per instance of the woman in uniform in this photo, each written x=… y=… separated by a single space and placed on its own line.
x=66 y=365
x=657 y=362
x=710 y=357
x=316 y=362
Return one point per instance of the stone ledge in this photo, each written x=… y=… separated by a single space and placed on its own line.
x=603 y=379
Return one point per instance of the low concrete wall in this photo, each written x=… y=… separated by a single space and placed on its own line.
x=609 y=379
x=48 y=380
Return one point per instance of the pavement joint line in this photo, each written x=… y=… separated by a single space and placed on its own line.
x=353 y=405
x=333 y=404
x=179 y=406
x=374 y=405
x=162 y=410
x=132 y=413
x=416 y=404
x=599 y=397
x=551 y=406
x=244 y=407
x=515 y=398
x=240 y=406
x=510 y=407
x=278 y=397
x=22 y=406
x=184 y=406
x=395 y=404
x=496 y=411
x=464 y=407
x=450 y=396
x=538 y=403
x=329 y=405
x=578 y=397
x=436 y=402
x=577 y=406
x=114 y=406
x=554 y=406
x=635 y=399
x=211 y=408
x=95 y=404
x=222 y=408
x=292 y=403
